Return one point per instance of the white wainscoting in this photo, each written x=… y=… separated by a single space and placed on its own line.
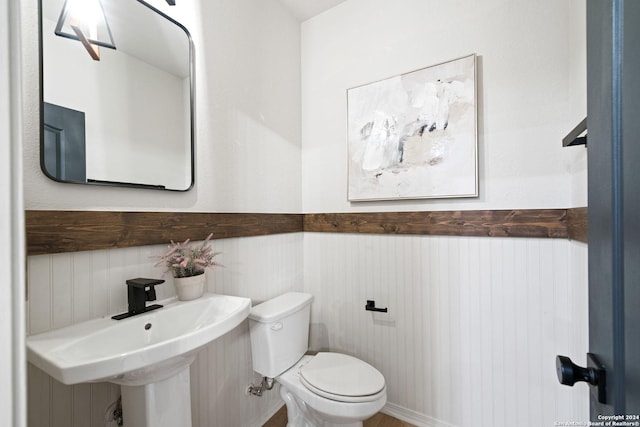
x=70 y=288
x=473 y=327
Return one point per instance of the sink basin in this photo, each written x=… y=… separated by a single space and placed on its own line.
x=139 y=350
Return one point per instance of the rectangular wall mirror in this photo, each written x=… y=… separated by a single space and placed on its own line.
x=126 y=117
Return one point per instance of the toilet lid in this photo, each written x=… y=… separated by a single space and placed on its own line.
x=341 y=377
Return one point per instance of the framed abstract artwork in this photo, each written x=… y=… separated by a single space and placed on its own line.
x=414 y=136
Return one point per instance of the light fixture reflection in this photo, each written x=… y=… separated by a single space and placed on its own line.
x=85 y=21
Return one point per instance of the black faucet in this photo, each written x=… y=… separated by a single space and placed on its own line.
x=139 y=291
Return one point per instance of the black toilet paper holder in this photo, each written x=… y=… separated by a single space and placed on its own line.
x=371 y=306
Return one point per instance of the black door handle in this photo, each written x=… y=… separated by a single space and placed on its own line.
x=594 y=374
x=569 y=373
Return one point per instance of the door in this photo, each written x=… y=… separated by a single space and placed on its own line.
x=64 y=148
x=613 y=120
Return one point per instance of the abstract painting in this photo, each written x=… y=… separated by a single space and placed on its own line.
x=414 y=135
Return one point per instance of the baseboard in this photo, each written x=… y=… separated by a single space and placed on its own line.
x=413 y=417
x=396 y=411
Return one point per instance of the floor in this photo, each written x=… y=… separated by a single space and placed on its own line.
x=378 y=420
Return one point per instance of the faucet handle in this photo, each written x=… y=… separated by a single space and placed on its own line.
x=144 y=283
x=151 y=293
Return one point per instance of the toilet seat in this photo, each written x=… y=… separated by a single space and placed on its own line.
x=342 y=378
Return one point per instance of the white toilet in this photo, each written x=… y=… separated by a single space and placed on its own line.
x=320 y=391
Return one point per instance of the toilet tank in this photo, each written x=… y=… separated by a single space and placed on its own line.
x=279 y=330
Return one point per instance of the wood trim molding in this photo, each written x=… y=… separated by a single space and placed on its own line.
x=490 y=223
x=577 y=224
x=70 y=231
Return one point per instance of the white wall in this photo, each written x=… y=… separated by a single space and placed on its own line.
x=477 y=322
x=578 y=96
x=473 y=327
x=71 y=288
x=248 y=160
x=531 y=81
x=247 y=115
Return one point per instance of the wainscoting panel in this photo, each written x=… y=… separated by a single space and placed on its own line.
x=473 y=326
x=68 y=288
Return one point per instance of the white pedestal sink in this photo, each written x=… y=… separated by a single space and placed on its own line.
x=148 y=354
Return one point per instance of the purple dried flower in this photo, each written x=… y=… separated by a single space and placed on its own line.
x=185 y=260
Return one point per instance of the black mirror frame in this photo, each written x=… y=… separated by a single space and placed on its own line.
x=191 y=106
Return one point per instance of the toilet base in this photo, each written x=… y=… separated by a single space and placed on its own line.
x=299 y=414
x=308 y=409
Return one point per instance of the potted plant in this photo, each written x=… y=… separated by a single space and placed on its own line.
x=187 y=263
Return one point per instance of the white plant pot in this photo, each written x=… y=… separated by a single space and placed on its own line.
x=189 y=288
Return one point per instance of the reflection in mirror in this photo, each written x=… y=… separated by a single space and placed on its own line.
x=126 y=119
x=85 y=21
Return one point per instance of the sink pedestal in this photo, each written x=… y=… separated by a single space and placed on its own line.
x=165 y=403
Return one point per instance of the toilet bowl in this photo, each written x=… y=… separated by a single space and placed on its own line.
x=345 y=404
x=323 y=390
